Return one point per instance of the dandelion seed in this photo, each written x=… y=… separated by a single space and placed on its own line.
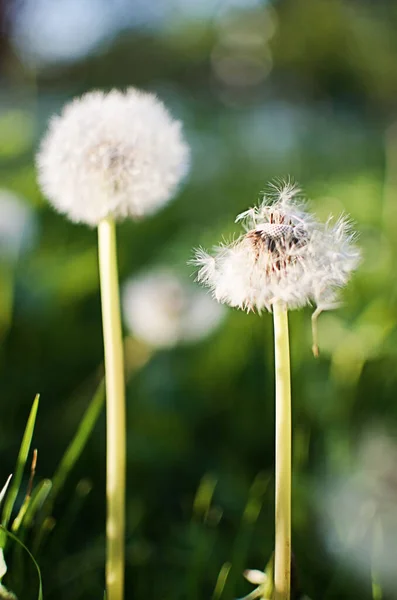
x=162 y=310
x=112 y=155
x=284 y=256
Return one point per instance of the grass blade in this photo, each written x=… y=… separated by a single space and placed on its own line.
x=4 y=490
x=21 y=462
x=201 y=535
x=245 y=533
x=79 y=441
x=6 y=533
x=66 y=524
x=33 y=505
x=69 y=459
x=221 y=581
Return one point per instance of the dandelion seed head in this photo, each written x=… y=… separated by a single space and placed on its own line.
x=162 y=310
x=119 y=154
x=285 y=255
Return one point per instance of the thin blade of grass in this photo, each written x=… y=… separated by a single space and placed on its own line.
x=203 y=497
x=5 y=487
x=7 y=283
x=221 y=581
x=6 y=533
x=78 y=443
x=201 y=535
x=32 y=506
x=23 y=522
x=245 y=533
x=69 y=459
x=65 y=525
x=18 y=519
x=21 y=462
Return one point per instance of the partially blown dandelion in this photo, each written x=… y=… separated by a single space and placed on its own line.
x=284 y=260
x=284 y=256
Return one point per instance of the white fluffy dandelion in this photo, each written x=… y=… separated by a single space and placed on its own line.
x=107 y=157
x=162 y=310
x=285 y=256
x=118 y=155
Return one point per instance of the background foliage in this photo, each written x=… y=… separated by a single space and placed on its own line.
x=306 y=88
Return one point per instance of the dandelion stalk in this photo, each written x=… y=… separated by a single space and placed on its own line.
x=129 y=165
x=284 y=260
x=282 y=564
x=115 y=410
x=107 y=157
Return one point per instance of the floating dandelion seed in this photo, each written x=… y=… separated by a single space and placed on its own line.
x=115 y=155
x=284 y=256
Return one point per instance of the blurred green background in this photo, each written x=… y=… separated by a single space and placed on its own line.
x=306 y=88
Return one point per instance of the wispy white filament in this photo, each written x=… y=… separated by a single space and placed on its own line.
x=116 y=155
x=284 y=255
x=162 y=310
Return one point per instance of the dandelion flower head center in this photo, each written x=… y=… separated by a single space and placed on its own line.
x=117 y=154
x=111 y=159
x=278 y=242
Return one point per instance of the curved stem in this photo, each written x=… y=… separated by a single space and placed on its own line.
x=282 y=555
x=115 y=410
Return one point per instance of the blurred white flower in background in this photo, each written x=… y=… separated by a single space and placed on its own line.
x=163 y=310
x=18 y=225
x=359 y=509
x=116 y=154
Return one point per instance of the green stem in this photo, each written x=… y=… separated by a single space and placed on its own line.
x=7 y=283
x=376 y=551
x=282 y=554
x=115 y=411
